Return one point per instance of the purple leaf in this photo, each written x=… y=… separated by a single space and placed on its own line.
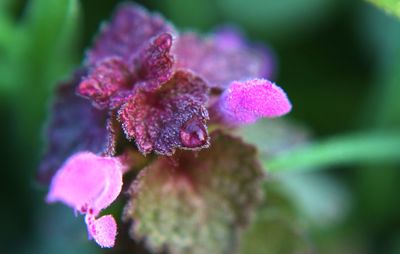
x=74 y=126
x=169 y=118
x=154 y=65
x=129 y=30
x=220 y=59
x=107 y=79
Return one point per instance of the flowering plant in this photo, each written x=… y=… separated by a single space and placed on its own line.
x=163 y=106
x=161 y=140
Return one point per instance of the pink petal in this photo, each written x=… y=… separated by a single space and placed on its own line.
x=87 y=181
x=112 y=186
x=245 y=102
x=103 y=230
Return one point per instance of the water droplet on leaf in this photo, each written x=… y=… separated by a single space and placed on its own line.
x=193 y=134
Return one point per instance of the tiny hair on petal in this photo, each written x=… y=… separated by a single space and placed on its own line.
x=246 y=101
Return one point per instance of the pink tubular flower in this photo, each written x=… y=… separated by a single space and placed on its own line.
x=89 y=183
x=245 y=102
x=143 y=89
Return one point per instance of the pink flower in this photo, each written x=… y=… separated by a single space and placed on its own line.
x=144 y=83
x=245 y=102
x=89 y=183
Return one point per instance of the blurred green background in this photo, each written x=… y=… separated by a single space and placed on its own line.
x=338 y=60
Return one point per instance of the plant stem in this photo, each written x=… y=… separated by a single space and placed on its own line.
x=349 y=149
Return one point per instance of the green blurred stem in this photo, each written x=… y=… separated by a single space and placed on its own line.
x=349 y=149
x=390 y=6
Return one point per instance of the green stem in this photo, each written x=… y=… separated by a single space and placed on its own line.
x=357 y=148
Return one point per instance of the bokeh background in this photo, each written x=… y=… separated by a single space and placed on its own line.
x=338 y=60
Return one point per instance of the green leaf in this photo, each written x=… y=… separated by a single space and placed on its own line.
x=277 y=20
x=320 y=198
x=6 y=30
x=40 y=47
x=272 y=136
x=52 y=27
x=42 y=52
x=196 y=203
x=37 y=50
x=390 y=6
x=7 y=35
x=356 y=148
x=387 y=103
x=182 y=14
x=278 y=227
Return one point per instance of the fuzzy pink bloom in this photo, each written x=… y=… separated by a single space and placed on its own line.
x=102 y=230
x=89 y=183
x=245 y=102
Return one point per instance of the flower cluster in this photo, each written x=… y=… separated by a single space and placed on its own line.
x=145 y=86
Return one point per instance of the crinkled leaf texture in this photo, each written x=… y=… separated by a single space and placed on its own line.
x=196 y=202
x=112 y=80
x=131 y=28
x=132 y=50
x=154 y=64
x=169 y=118
x=107 y=81
x=74 y=126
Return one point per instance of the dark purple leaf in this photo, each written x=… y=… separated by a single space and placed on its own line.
x=130 y=29
x=154 y=65
x=172 y=117
x=74 y=125
x=108 y=81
